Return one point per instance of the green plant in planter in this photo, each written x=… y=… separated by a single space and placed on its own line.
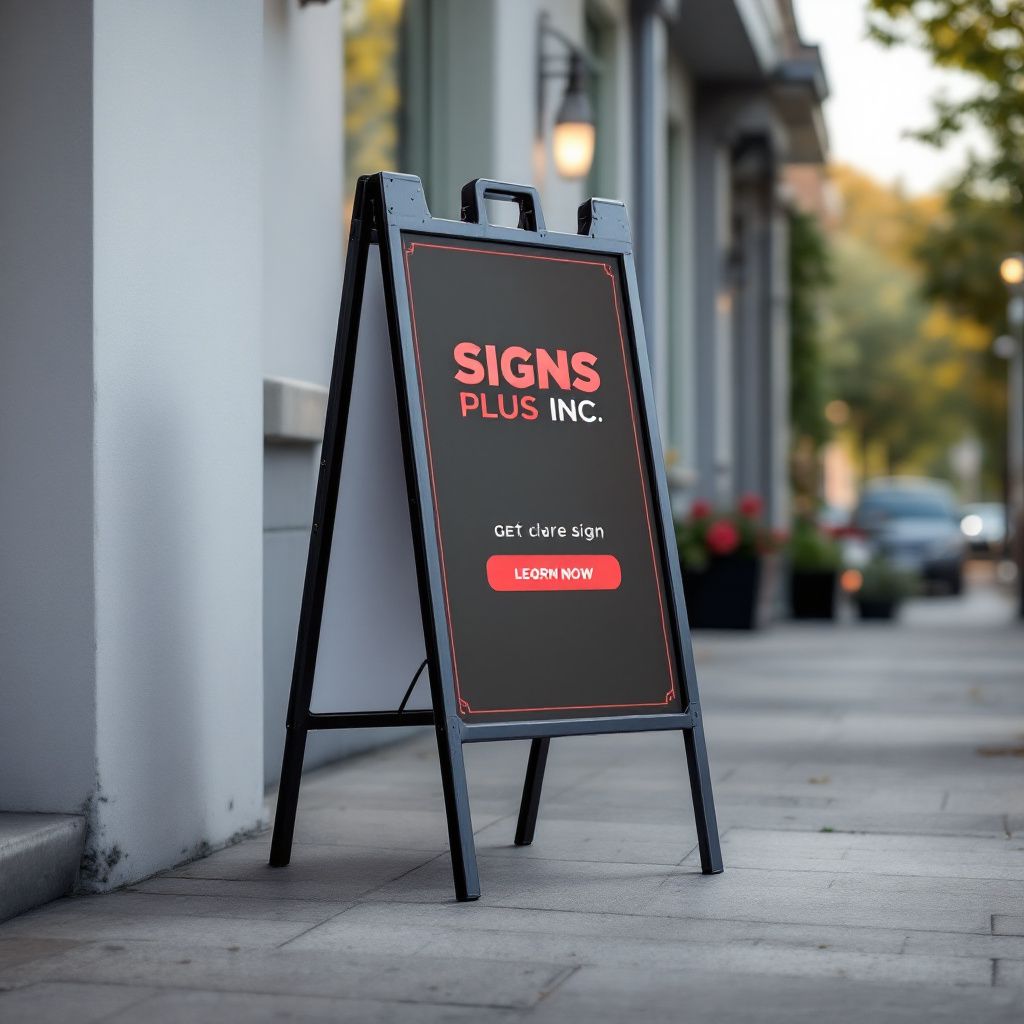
x=811 y=550
x=814 y=561
x=883 y=587
x=882 y=581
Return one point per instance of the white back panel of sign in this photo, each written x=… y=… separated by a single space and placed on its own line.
x=371 y=637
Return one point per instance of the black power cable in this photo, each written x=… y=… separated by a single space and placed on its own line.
x=412 y=685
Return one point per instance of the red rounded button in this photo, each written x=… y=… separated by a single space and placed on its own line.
x=554 y=572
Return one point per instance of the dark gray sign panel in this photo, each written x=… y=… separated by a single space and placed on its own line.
x=547 y=532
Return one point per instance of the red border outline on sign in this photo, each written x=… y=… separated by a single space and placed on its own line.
x=407 y=251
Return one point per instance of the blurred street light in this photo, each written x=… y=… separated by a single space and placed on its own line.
x=1011 y=270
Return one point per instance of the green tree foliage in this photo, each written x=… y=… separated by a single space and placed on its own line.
x=913 y=372
x=961 y=251
x=985 y=39
x=982 y=218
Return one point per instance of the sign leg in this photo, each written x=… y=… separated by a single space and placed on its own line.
x=319 y=555
x=287 y=797
x=460 y=822
x=703 y=802
x=531 y=791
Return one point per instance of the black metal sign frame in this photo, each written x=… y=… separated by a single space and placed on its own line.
x=387 y=206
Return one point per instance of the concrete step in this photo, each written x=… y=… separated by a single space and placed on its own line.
x=39 y=858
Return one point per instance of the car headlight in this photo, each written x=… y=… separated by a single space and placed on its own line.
x=971 y=525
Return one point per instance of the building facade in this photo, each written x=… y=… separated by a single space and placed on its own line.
x=173 y=205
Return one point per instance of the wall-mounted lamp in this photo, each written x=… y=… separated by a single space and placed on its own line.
x=575 y=134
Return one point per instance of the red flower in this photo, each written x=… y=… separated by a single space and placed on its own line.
x=700 y=509
x=722 y=538
x=751 y=505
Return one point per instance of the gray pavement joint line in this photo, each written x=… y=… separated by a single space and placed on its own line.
x=875 y=832
x=316 y=924
x=160 y=988
x=804 y=869
x=361 y=899
x=689 y=853
x=846 y=926
x=133 y=888
x=151 y=994
x=558 y=981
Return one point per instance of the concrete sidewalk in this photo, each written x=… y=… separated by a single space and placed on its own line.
x=870 y=788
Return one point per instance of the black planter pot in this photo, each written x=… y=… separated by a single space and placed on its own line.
x=877 y=608
x=724 y=595
x=812 y=593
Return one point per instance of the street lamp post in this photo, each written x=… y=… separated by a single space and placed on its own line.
x=1012 y=272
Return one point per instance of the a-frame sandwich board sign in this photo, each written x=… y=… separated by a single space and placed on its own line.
x=549 y=593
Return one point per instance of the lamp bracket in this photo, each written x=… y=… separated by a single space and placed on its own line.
x=557 y=65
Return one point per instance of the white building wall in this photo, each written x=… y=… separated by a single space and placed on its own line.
x=47 y=653
x=177 y=256
x=304 y=235
x=303 y=228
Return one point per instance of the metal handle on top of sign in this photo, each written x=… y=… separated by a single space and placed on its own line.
x=475 y=194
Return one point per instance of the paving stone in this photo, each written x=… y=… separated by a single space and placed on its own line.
x=1009 y=974
x=424 y=979
x=602 y=996
x=194 y=930
x=331 y=872
x=16 y=950
x=987 y=947
x=252 y=908
x=333 y=894
x=376 y=922
x=382 y=828
x=738 y=949
x=187 y=1007
x=588 y=840
x=533 y=882
x=61 y=1002
x=820 y=898
x=1008 y=924
x=852 y=854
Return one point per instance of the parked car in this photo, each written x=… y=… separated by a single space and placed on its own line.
x=984 y=526
x=915 y=524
